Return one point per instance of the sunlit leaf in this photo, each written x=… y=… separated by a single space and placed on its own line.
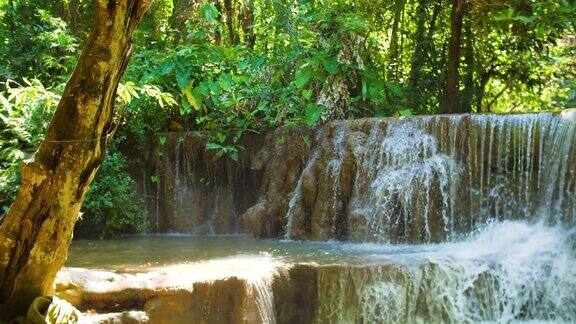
x=313 y=113
x=302 y=77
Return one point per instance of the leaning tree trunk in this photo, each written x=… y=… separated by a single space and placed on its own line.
x=453 y=77
x=36 y=232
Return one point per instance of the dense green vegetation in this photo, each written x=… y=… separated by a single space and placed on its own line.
x=229 y=67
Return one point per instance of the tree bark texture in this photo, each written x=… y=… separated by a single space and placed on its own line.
x=247 y=20
x=229 y=9
x=180 y=13
x=394 y=43
x=452 y=82
x=468 y=93
x=36 y=232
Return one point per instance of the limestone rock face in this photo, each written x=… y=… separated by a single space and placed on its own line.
x=281 y=161
x=396 y=180
x=196 y=190
x=221 y=301
x=295 y=294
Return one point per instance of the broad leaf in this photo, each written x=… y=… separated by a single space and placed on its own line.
x=331 y=65
x=313 y=113
x=302 y=77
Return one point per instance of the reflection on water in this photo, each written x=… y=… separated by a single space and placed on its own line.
x=132 y=252
x=497 y=241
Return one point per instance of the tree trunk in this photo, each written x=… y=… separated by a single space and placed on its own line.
x=419 y=55
x=177 y=21
x=36 y=232
x=452 y=82
x=230 y=22
x=247 y=15
x=394 y=51
x=468 y=93
x=73 y=16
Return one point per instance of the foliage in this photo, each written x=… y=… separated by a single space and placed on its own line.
x=112 y=205
x=227 y=89
x=35 y=44
x=24 y=117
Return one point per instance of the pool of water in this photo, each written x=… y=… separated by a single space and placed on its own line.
x=132 y=252
x=504 y=272
x=495 y=243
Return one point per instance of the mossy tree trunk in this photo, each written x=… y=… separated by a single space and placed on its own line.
x=36 y=232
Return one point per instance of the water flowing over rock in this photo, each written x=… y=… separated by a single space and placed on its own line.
x=425 y=179
x=218 y=291
x=354 y=207
x=411 y=180
x=506 y=271
x=193 y=190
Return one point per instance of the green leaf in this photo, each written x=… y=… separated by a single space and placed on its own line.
x=209 y=11
x=224 y=82
x=395 y=88
x=302 y=77
x=185 y=107
x=203 y=89
x=526 y=20
x=167 y=67
x=182 y=78
x=380 y=113
x=162 y=140
x=194 y=97
x=331 y=65
x=154 y=179
x=214 y=87
x=406 y=112
x=213 y=146
x=312 y=114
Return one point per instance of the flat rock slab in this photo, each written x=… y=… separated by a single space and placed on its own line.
x=230 y=290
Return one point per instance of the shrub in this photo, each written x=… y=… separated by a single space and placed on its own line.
x=112 y=205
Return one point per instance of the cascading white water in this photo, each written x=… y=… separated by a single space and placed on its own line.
x=402 y=170
x=509 y=271
x=429 y=178
x=480 y=209
x=499 y=191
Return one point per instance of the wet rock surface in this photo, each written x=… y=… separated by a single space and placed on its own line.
x=509 y=271
x=401 y=180
x=196 y=190
x=227 y=291
x=281 y=160
x=497 y=193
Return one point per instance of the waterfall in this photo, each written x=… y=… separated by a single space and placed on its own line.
x=402 y=173
x=440 y=219
x=198 y=192
x=508 y=271
x=430 y=178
